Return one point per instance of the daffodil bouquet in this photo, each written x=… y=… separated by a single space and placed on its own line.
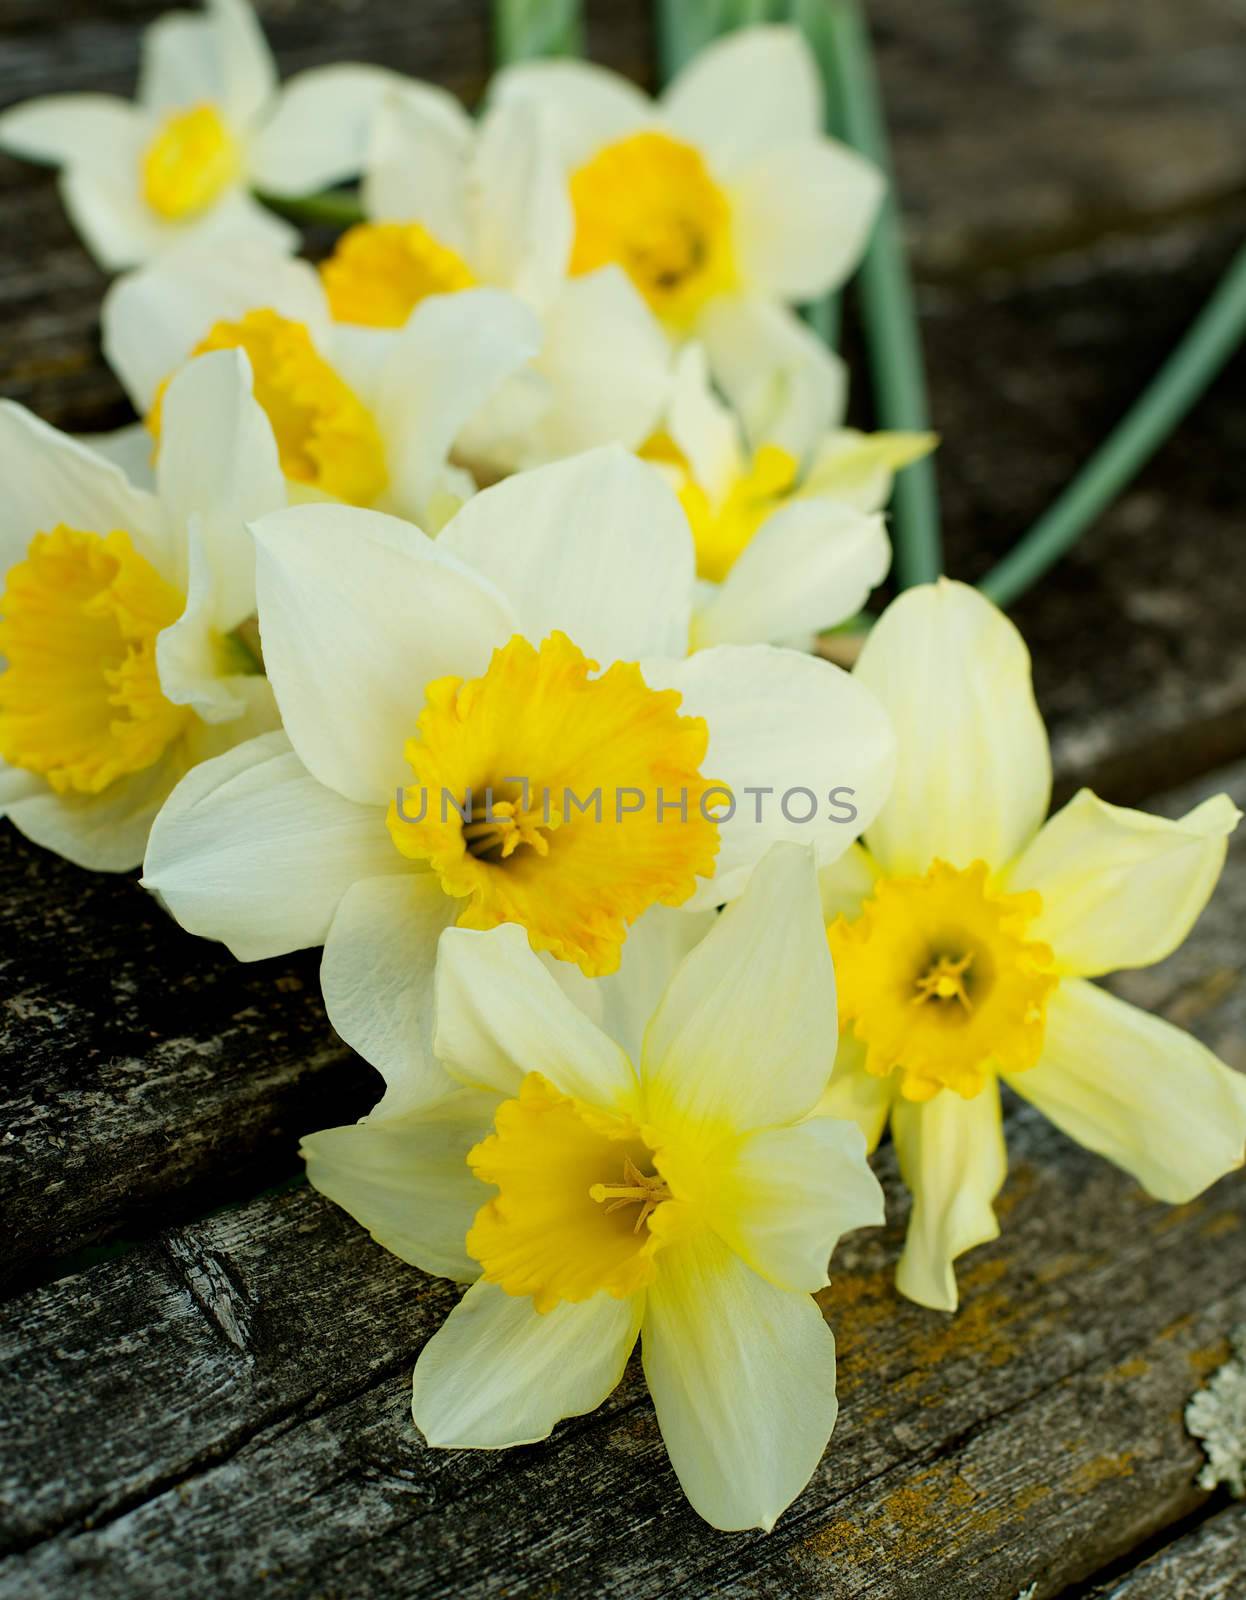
x=459 y=603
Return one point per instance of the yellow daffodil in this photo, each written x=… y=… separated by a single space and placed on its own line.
x=209 y=121
x=965 y=930
x=451 y=204
x=120 y=665
x=360 y=419
x=789 y=536
x=502 y=725
x=723 y=201
x=592 y=1188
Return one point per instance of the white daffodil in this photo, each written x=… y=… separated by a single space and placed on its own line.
x=500 y=726
x=789 y=535
x=964 y=933
x=452 y=205
x=364 y=420
x=723 y=201
x=117 y=621
x=209 y=121
x=689 y=1198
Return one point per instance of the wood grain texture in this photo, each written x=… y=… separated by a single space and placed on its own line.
x=228 y=1408
x=1208 y=1563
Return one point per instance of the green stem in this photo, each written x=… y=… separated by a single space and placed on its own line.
x=1208 y=343
x=812 y=17
x=524 y=29
x=339 y=208
x=890 y=314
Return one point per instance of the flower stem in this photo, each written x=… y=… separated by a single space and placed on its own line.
x=340 y=208
x=1208 y=343
x=523 y=29
x=890 y=315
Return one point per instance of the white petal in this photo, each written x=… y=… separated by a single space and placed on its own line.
x=745 y=93
x=189 y=652
x=859 y=468
x=953 y=1159
x=704 y=429
x=857 y=1095
x=180 y=64
x=152 y=319
x=417 y=163
x=218 y=463
x=50 y=478
x=597 y=546
x=88 y=130
x=1121 y=888
x=742 y=1037
x=109 y=212
x=805 y=749
x=809 y=566
x=743 y=1378
x=605 y=363
x=254 y=712
x=845 y=883
x=104 y=832
x=1139 y=1091
x=129 y=448
x=319 y=131
x=247 y=69
x=788 y=1194
x=500 y=1016
x=521 y=208
x=358 y=612
x=974 y=771
x=220 y=58
x=251 y=850
x=592 y=106
x=786 y=386
x=406 y=1179
x=453 y=354
x=377 y=979
x=802 y=214
x=623 y=1002
x=499 y=1373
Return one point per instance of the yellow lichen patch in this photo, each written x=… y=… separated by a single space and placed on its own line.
x=576 y=1203
x=190 y=162
x=80 y=698
x=938 y=979
x=563 y=800
x=649 y=204
x=380 y=271
x=1088 y=1475
x=326 y=437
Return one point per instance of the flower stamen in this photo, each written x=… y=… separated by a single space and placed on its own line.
x=505 y=828
x=944 y=980
x=645 y=1189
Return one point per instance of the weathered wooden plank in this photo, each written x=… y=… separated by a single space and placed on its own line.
x=229 y=1408
x=146 y=1074
x=1208 y=1563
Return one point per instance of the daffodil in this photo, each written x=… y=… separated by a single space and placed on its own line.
x=502 y=725
x=789 y=536
x=966 y=929
x=367 y=421
x=209 y=122
x=592 y=1190
x=122 y=668
x=723 y=200
x=452 y=204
